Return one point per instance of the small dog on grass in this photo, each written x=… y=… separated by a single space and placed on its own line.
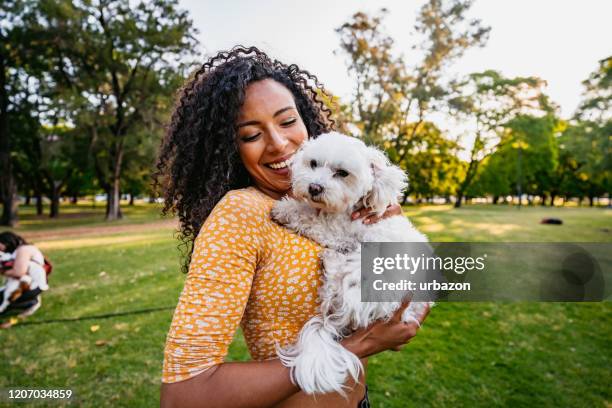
x=332 y=176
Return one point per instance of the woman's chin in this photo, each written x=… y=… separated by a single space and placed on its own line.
x=284 y=172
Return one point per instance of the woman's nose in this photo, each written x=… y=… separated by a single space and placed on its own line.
x=277 y=141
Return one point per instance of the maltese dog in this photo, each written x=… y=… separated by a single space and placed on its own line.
x=332 y=176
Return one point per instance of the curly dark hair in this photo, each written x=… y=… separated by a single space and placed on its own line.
x=199 y=162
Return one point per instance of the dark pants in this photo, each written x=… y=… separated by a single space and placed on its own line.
x=365 y=402
x=23 y=302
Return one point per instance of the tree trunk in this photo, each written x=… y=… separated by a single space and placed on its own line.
x=8 y=185
x=552 y=200
x=54 y=209
x=10 y=203
x=56 y=188
x=28 y=198
x=543 y=202
x=39 y=203
x=495 y=199
x=113 y=202
x=151 y=199
x=131 y=199
x=458 y=200
x=591 y=201
x=74 y=199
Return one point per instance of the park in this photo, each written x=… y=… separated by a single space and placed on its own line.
x=102 y=327
x=88 y=91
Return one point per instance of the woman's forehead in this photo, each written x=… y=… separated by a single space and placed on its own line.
x=266 y=97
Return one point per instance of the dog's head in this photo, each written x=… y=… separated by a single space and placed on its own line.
x=335 y=172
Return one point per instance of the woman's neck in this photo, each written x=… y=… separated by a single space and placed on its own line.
x=274 y=194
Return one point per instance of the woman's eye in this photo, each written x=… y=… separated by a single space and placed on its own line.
x=313 y=164
x=341 y=173
x=289 y=122
x=247 y=139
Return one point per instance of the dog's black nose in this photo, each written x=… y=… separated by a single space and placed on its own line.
x=315 y=189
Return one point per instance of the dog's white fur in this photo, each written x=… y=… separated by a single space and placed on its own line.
x=318 y=362
x=35 y=278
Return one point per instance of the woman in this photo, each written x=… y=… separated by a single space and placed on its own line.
x=223 y=164
x=28 y=267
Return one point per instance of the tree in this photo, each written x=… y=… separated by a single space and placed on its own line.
x=117 y=59
x=491 y=101
x=594 y=126
x=585 y=149
x=388 y=92
x=392 y=99
x=14 y=93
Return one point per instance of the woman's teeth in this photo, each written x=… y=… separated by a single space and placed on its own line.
x=278 y=166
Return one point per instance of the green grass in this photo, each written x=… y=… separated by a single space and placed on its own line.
x=467 y=354
x=85 y=214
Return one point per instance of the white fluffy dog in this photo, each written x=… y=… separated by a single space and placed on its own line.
x=332 y=176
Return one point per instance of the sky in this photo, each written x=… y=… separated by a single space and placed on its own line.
x=559 y=41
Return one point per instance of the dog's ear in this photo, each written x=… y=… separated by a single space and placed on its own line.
x=389 y=182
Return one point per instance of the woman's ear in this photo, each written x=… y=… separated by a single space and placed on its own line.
x=389 y=182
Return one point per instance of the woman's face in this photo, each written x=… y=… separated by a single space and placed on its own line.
x=270 y=130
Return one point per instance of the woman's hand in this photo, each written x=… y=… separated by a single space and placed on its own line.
x=370 y=218
x=381 y=335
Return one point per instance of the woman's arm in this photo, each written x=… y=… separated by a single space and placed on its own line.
x=210 y=309
x=23 y=255
x=266 y=383
x=245 y=384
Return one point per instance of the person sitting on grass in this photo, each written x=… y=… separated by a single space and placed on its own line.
x=25 y=274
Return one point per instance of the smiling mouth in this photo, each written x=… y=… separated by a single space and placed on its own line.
x=282 y=164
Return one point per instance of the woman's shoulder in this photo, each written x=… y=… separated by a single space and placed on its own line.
x=248 y=198
x=28 y=249
x=245 y=203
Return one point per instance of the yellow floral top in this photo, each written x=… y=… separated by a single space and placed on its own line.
x=246 y=270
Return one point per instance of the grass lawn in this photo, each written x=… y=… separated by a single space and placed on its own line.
x=468 y=354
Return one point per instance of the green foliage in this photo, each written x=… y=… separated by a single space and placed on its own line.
x=597 y=103
x=114 y=67
x=493 y=103
x=388 y=91
x=585 y=150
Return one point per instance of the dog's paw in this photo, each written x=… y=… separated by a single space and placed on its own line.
x=283 y=210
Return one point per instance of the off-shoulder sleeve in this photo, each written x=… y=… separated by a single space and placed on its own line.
x=217 y=287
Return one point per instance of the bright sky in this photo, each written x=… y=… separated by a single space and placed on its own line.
x=560 y=41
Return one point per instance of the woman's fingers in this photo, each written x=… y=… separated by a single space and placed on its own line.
x=393 y=210
x=397 y=315
x=360 y=213
x=421 y=318
x=370 y=217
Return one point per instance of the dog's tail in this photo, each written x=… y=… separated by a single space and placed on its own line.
x=318 y=363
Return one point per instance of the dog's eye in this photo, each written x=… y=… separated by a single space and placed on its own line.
x=341 y=173
x=313 y=164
